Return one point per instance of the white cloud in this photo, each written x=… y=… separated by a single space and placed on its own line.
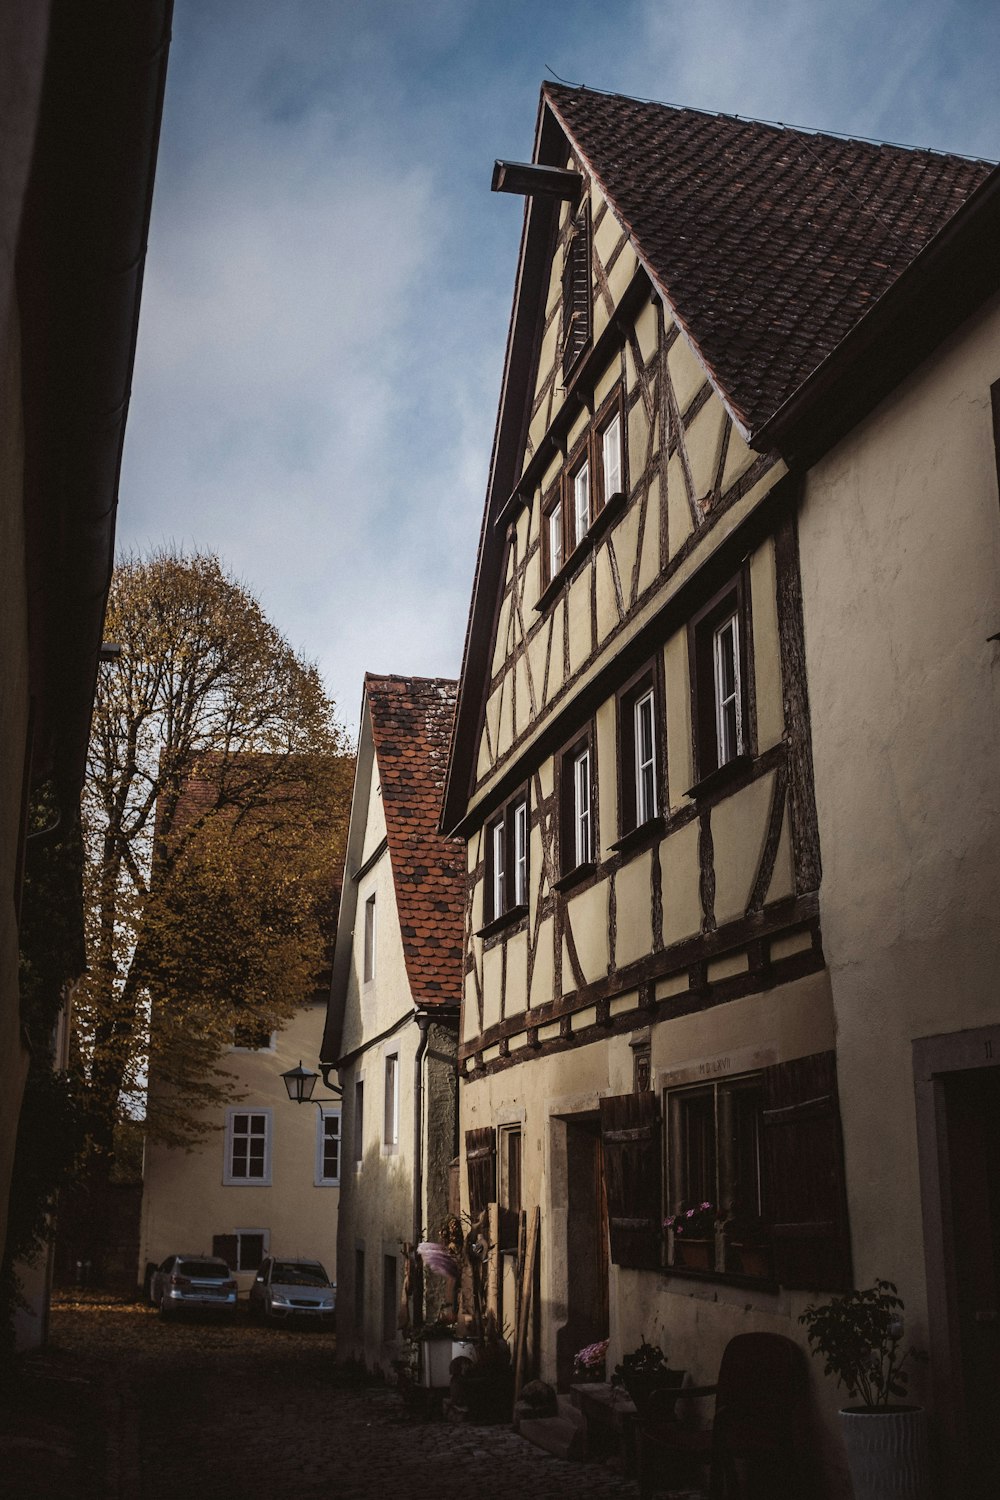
x=329 y=278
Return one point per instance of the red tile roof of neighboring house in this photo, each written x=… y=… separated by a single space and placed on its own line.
x=411 y=719
x=770 y=243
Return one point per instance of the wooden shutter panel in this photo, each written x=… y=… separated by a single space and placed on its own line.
x=576 y=293
x=226 y=1248
x=481 y=1165
x=805 y=1160
x=631 y=1137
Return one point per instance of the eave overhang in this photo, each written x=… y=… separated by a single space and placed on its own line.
x=953 y=275
x=81 y=255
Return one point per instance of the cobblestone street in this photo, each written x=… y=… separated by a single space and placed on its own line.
x=123 y=1407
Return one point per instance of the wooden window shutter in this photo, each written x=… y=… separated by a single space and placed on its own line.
x=576 y=293
x=481 y=1164
x=806 y=1185
x=226 y=1247
x=631 y=1137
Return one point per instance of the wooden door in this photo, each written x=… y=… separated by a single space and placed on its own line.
x=972 y=1105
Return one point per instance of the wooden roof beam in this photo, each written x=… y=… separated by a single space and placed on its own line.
x=531 y=180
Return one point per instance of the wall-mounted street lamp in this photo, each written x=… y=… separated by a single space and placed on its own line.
x=300 y=1083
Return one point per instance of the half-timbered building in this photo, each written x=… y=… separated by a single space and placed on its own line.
x=393 y=1016
x=649 y=1033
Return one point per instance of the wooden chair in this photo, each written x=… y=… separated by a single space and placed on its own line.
x=758 y=1446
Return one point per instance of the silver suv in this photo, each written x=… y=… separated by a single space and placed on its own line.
x=186 y=1283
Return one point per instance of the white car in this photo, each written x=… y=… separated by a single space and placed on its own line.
x=285 y=1289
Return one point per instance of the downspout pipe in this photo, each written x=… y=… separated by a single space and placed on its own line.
x=423 y=1022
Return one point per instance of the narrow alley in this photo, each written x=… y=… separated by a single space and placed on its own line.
x=123 y=1407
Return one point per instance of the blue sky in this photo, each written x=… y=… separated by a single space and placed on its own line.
x=329 y=278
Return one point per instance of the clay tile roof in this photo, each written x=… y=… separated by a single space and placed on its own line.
x=411 y=719
x=770 y=243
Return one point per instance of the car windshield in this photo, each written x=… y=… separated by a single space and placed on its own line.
x=295 y=1273
x=204 y=1270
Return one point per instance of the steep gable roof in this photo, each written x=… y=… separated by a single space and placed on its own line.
x=770 y=243
x=411 y=722
x=810 y=273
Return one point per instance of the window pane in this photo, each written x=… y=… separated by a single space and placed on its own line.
x=359 y=1120
x=391 y=1133
x=520 y=854
x=555 y=539
x=370 y=938
x=581 y=778
x=331 y=1146
x=511 y=1169
x=729 y=729
x=581 y=503
x=612 y=454
x=498 y=869
x=645 y=769
x=251 y=1251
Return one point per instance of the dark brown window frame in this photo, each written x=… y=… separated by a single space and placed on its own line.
x=733 y=597
x=570 y=869
x=649 y=676
x=505 y=817
x=740 y=1261
x=589 y=449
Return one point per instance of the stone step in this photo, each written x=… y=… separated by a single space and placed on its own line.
x=557 y=1435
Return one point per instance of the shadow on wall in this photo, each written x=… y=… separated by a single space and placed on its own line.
x=375 y=1217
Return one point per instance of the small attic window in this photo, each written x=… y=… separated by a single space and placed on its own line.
x=576 y=292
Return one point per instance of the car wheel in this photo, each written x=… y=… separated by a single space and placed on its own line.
x=165 y=1312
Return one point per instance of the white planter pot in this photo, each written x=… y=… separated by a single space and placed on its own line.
x=463 y=1349
x=887 y=1452
x=436 y=1362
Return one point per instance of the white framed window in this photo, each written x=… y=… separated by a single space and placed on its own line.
x=369 y=970
x=248 y=1148
x=390 y=1128
x=644 y=723
x=359 y=1121
x=611 y=457
x=328 y=1146
x=555 y=538
x=728 y=689
x=520 y=832
x=581 y=503
x=498 y=868
x=510 y=1166
x=505 y=883
x=250 y=1034
x=582 y=840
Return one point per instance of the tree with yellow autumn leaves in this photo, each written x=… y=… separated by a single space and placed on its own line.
x=214 y=818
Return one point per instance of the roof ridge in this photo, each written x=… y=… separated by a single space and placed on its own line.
x=803 y=130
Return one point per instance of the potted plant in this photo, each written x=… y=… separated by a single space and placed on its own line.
x=644 y=1371
x=693 y=1230
x=589 y=1363
x=860 y=1336
x=747 y=1249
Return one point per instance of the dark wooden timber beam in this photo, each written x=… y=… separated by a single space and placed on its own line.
x=530 y=180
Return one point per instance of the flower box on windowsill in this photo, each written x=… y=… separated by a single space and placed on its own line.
x=694 y=1254
x=748 y=1260
x=505 y=919
x=575 y=876
x=720 y=777
x=640 y=836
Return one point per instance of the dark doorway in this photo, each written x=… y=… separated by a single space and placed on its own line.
x=586 y=1245
x=972 y=1123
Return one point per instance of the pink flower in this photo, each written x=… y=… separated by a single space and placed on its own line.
x=436 y=1258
